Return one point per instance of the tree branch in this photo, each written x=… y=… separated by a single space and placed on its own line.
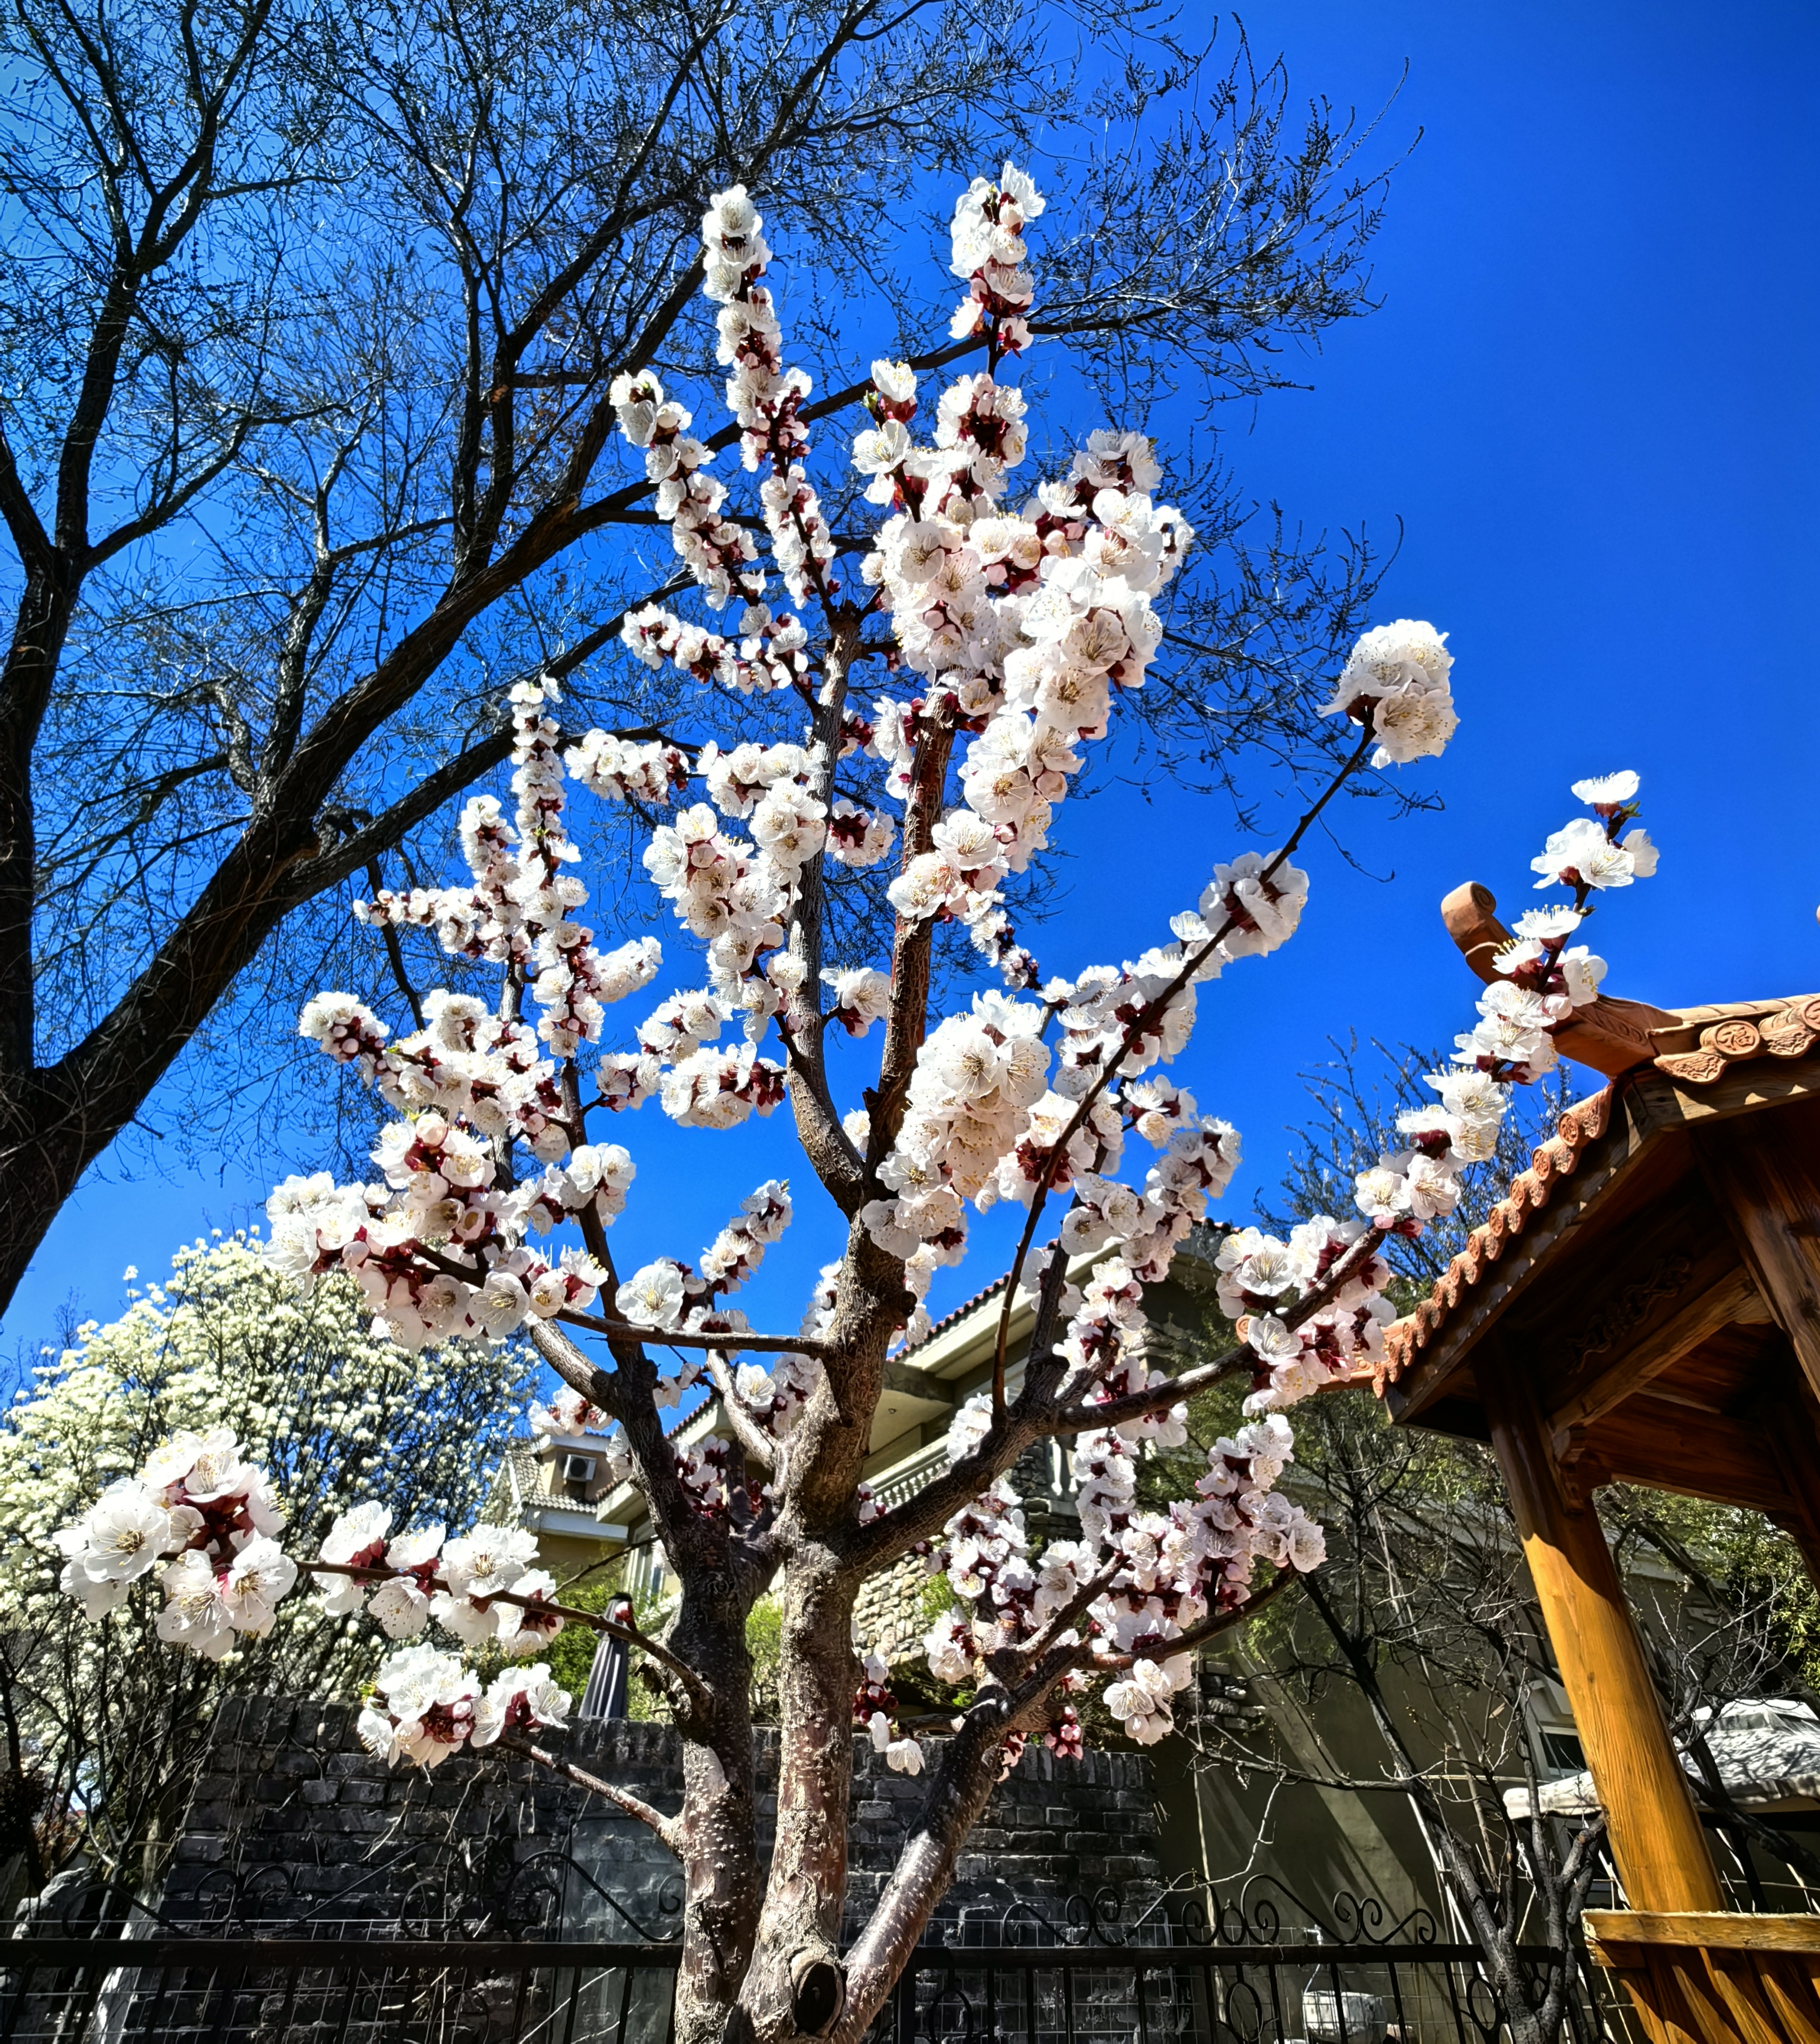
x=668 y=1829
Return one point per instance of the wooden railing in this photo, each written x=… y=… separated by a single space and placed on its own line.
x=1711 y=1979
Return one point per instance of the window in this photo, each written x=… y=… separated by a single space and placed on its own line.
x=1562 y=1749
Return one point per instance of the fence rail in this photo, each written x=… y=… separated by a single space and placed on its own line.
x=164 y=1990
x=1212 y=1994
x=282 y=1991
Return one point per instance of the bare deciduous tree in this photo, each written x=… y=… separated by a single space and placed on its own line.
x=309 y=314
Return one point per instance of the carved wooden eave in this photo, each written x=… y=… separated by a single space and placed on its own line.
x=1693 y=1046
x=1654 y=1277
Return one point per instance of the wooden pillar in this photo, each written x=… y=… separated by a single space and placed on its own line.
x=1764 y=1172
x=1655 y=1836
x=1788 y=1433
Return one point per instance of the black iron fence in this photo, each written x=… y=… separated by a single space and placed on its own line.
x=271 y=1990
x=282 y=1991
x=518 y=1959
x=1219 y=1994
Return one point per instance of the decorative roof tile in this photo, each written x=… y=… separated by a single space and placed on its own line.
x=1530 y=1191
x=1787 y=1029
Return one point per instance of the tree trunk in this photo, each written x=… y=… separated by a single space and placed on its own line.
x=718 y=1844
x=798 y=1931
x=962 y=1785
x=46 y=1143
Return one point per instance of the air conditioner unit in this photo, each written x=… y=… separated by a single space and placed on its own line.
x=578 y=1468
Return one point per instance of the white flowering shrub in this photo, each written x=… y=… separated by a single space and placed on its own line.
x=1002 y=630
x=222 y=1406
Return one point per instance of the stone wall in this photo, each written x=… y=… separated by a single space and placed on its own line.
x=294 y=1823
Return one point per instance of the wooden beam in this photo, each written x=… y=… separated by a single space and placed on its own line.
x=1655 y=1837
x=1659 y=1102
x=1763 y=1173
x=1727 y=1932
x=1732 y=1296
x=1695 y=1454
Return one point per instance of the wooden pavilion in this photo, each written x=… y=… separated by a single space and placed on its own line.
x=1644 y=1306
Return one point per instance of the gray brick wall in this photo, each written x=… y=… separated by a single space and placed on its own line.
x=294 y=1822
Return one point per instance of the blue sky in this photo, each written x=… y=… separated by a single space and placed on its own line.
x=1591 y=397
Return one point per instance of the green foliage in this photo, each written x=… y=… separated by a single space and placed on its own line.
x=765 y=1642
x=571 y=1652
x=937 y=1600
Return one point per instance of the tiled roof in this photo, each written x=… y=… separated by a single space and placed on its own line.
x=954 y=1319
x=1530 y=1191
x=520 y=1460
x=1754 y=1029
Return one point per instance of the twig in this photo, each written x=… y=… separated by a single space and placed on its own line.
x=1223 y=1621
x=1133 y=1034
x=394 y=950
x=668 y=1829
x=596 y=1621
x=1134 y=1406
x=679 y=1338
x=629 y=1331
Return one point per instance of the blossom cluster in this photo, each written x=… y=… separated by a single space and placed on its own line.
x=735 y=897
x=566 y=1415
x=426 y=1706
x=979 y=1074
x=1135 y=1581
x=1398 y=677
x=989 y=252
x=874 y=1708
x=1023 y=628
x=404 y=1582
x=766 y=399
x=201 y=1520
x=204 y=1521
x=621 y=769
x=221 y=1340
x=440 y=1248
x=984 y=1124
x=1329 y=1269
x=1021 y=625
x=518 y=911
x=1542 y=979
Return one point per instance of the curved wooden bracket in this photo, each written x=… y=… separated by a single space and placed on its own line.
x=1471 y=915
x=1612 y=1036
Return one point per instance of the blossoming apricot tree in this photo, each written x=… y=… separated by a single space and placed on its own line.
x=1008 y=635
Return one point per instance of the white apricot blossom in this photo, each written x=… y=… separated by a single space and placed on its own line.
x=1013 y=623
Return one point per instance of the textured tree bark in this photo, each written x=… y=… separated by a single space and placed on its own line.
x=719 y=1823
x=963 y=1781
x=46 y=606
x=807 y=1888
